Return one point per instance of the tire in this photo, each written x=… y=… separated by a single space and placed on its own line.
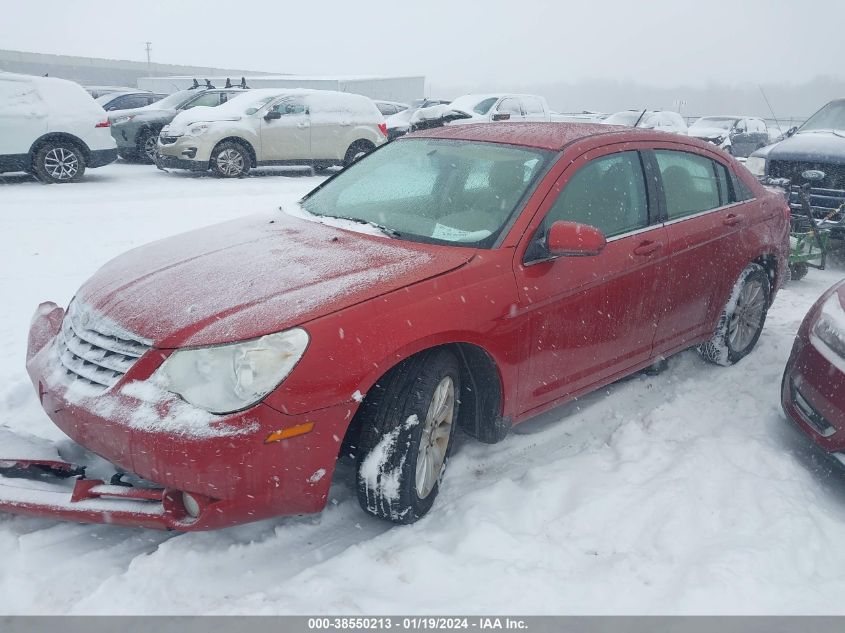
x=147 y=146
x=742 y=319
x=356 y=151
x=58 y=162
x=408 y=424
x=230 y=160
x=798 y=271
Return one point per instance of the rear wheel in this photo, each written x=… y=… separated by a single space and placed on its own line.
x=742 y=319
x=230 y=160
x=409 y=421
x=58 y=162
x=356 y=151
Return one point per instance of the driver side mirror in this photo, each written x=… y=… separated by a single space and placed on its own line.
x=272 y=114
x=791 y=130
x=572 y=238
x=501 y=116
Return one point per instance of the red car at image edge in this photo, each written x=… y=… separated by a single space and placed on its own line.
x=813 y=387
x=468 y=276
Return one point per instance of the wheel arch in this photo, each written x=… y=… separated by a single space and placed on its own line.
x=774 y=271
x=482 y=391
x=61 y=137
x=240 y=141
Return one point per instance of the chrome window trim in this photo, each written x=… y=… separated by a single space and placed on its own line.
x=700 y=213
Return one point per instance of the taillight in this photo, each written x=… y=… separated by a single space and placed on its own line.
x=105 y=123
x=382 y=127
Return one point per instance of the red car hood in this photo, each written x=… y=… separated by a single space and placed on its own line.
x=253 y=276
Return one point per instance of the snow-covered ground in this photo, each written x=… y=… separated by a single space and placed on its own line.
x=686 y=492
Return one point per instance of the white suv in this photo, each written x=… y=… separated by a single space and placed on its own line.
x=51 y=128
x=320 y=128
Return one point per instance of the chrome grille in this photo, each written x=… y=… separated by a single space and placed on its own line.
x=94 y=350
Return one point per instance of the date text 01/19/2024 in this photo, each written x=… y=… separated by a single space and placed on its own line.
x=416 y=623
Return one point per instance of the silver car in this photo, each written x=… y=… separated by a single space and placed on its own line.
x=264 y=127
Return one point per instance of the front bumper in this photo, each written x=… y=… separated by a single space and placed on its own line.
x=224 y=462
x=174 y=162
x=813 y=395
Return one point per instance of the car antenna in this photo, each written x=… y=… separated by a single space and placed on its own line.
x=766 y=99
x=196 y=84
x=640 y=118
x=228 y=83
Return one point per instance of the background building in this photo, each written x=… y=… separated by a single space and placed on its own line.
x=404 y=89
x=101 y=72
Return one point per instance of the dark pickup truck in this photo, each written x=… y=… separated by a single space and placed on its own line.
x=819 y=144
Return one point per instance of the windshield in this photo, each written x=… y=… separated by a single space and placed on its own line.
x=721 y=122
x=624 y=118
x=473 y=103
x=830 y=117
x=255 y=106
x=174 y=100
x=434 y=190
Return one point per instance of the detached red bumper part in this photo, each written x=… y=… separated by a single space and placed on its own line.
x=59 y=490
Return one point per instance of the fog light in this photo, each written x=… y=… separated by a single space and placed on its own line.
x=191 y=152
x=192 y=506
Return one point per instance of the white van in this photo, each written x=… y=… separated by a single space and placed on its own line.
x=51 y=128
x=273 y=126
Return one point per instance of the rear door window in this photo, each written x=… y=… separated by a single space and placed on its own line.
x=532 y=106
x=608 y=193
x=689 y=183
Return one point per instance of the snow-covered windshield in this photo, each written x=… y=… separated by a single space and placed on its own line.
x=254 y=106
x=623 y=118
x=830 y=117
x=473 y=103
x=721 y=122
x=434 y=190
x=174 y=100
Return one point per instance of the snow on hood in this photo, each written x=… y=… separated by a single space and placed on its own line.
x=816 y=145
x=253 y=276
x=201 y=113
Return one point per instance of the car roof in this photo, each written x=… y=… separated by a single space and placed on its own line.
x=547 y=135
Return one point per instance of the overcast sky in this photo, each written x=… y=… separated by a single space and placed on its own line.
x=492 y=44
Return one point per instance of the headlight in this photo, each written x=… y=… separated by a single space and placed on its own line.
x=232 y=377
x=756 y=165
x=126 y=118
x=830 y=328
x=197 y=129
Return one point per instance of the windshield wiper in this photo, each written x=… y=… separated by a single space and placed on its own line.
x=384 y=229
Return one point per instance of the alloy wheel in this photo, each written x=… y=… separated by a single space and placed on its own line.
x=150 y=147
x=230 y=162
x=61 y=163
x=436 y=433
x=747 y=317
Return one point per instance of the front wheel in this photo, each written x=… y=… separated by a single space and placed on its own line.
x=58 y=162
x=148 y=146
x=230 y=160
x=409 y=421
x=798 y=271
x=742 y=319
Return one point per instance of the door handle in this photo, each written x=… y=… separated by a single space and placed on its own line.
x=648 y=247
x=732 y=219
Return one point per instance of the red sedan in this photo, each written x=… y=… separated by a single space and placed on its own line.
x=467 y=276
x=813 y=387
